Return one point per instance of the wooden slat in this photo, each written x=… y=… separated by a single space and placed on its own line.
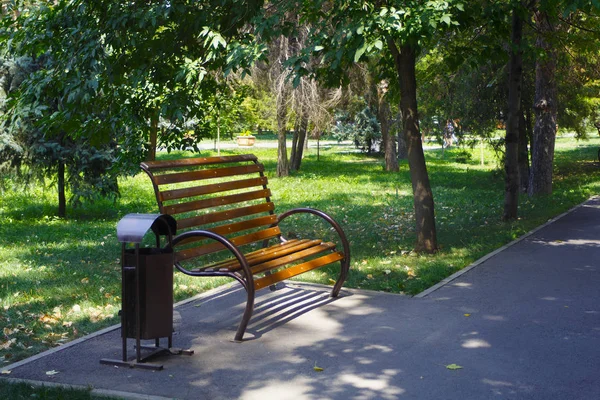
x=238 y=241
x=216 y=201
x=180 y=177
x=236 y=227
x=288 y=259
x=224 y=215
x=190 y=162
x=177 y=194
x=264 y=255
x=196 y=239
x=275 y=252
x=283 y=245
x=296 y=270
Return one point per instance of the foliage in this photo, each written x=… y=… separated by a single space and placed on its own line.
x=474 y=97
x=31 y=152
x=257 y=111
x=463 y=156
x=105 y=70
x=578 y=74
x=362 y=129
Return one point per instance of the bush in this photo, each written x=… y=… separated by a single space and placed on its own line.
x=463 y=156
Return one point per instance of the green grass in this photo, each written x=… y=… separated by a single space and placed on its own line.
x=60 y=279
x=25 y=391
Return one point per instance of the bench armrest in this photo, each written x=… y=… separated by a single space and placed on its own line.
x=245 y=279
x=247 y=274
x=331 y=221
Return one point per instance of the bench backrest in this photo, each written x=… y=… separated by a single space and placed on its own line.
x=226 y=195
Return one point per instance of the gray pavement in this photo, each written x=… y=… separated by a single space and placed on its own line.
x=523 y=323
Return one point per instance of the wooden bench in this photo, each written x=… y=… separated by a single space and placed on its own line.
x=230 y=229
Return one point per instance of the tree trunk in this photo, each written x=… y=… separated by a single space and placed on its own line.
x=283 y=167
x=283 y=92
x=402 y=146
x=545 y=108
x=62 y=198
x=384 y=114
x=511 y=162
x=523 y=153
x=299 y=141
x=405 y=59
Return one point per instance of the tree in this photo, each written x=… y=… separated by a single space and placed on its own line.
x=108 y=72
x=568 y=26
x=545 y=107
x=282 y=89
x=384 y=114
x=511 y=163
x=346 y=32
x=37 y=114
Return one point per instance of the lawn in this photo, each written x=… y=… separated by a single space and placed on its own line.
x=60 y=279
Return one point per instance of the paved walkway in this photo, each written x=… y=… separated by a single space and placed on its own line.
x=523 y=323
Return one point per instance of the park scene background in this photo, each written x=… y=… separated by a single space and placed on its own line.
x=91 y=90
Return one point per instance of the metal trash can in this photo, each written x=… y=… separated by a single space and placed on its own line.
x=147 y=287
x=156 y=292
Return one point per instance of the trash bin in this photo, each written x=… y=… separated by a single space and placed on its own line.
x=147 y=287
x=156 y=292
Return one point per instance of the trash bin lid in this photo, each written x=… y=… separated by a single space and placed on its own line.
x=133 y=227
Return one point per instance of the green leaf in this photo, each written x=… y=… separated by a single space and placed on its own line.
x=361 y=50
x=378 y=44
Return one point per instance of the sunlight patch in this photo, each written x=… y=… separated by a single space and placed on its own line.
x=476 y=344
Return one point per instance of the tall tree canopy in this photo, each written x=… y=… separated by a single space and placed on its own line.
x=347 y=32
x=107 y=72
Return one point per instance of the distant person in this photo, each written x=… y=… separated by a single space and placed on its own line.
x=449 y=136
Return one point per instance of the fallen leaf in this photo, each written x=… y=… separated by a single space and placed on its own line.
x=5 y=372
x=85 y=280
x=48 y=319
x=467 y=315
x=453 y=366
x=52 y=372
x=7 y=344
x=318 y=369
